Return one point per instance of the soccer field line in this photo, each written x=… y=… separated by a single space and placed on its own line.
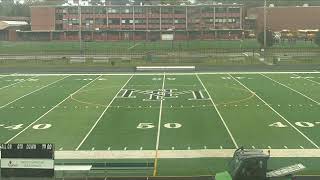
x=161 y=73
x=104 y=111
x=32 y=92
x=43 y=115
x=199 y=153
x=308 y=79
x=217 y=110
x=296 y=91
x=305 y=136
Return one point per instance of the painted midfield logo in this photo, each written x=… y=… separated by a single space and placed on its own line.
x=162 y=94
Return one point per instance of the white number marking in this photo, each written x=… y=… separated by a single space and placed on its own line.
x=304 y=124
x=278 y=124
x=14 y=127
x=172 y=125
x=42 y=126
x=151 y=125
x=145 y=126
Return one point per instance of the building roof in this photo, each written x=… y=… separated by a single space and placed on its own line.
x=7 y=24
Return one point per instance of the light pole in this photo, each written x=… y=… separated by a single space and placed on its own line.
x=265 y=24
x=80 y=27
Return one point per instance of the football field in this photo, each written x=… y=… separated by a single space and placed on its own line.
x=163 y=112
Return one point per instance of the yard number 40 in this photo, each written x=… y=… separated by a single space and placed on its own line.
x=151 y=125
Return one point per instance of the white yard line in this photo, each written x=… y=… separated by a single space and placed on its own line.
x=200 y=153
x=305 y=136
x=292 y=89
x=51 y=109
x=97 y=121
x=307 y=79
x=215 y=107
x=32 y=92
x=159 y=127
x=160 y=113
x=191 y=73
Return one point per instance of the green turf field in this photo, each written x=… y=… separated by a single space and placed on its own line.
x=110 y=47
x=163 y=115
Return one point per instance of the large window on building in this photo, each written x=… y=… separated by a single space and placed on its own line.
x=166 y=10
x=73 y=10
x=139 y=10
x=179 y=10
x=114 y=21
x=221 y=9
x=113 y=10
x=126 y=10
x=234 y=9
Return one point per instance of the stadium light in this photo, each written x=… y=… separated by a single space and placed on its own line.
x=80 y=27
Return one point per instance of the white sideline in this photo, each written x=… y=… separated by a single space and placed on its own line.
x=291 y=89
x=97 y=121
x=215 y=107
x=32 y=92
x=191 y=73
x=51 y=110
x=200 y=153
x=152 y=68
x=305 y=136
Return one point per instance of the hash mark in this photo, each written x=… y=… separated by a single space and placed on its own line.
x=285 y=147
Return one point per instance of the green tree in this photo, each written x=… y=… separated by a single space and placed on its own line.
x=317 y=38
x=269 y=39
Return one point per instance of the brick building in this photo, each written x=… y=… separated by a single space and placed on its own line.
x=289 y=18
x=136 y=22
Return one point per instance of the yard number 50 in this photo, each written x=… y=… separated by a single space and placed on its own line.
x=151 y=125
